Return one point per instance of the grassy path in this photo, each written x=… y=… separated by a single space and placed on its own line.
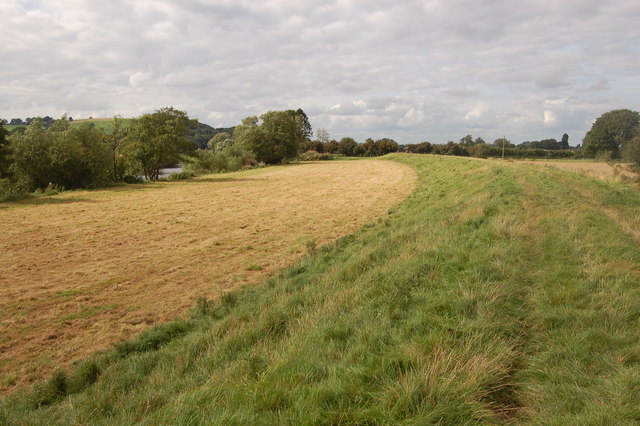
x=496 y=293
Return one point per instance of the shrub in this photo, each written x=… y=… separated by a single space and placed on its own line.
x=10 y=191
x=315 y=156
x=181 y=176
x=207 y=161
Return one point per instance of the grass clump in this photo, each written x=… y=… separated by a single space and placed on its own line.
x=514 y=301
x=154 y=338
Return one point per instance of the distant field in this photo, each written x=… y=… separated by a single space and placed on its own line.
x=598 y=169
x=101 y=123
x=84 y=269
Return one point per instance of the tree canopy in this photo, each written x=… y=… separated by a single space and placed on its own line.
x=274 y=137
x=156 y=140
x=610 y=132
x=69 y=157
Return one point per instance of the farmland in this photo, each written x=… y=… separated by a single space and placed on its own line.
x=84 y=269
x=497 y=292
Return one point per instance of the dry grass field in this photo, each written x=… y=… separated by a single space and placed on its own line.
x=598 y=169
x=84 y=269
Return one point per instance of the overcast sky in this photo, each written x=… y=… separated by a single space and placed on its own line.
x=411 y=70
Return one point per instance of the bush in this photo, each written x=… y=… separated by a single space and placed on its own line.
x=315 y=156
x=10 y=191
x=59 y=155
x=181 y=176
x=230 y=159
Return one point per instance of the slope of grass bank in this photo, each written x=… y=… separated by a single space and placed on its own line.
x=497 y=292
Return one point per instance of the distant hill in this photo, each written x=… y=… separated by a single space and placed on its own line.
x=202 y=133
x=199 y=134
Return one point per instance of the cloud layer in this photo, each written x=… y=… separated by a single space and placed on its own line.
x=413 y=70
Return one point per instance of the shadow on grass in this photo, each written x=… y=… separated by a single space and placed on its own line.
x=37 y=201
x=213 y=180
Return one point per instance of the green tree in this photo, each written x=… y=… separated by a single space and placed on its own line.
x=116 y=141
x=467 y=141
x=70 y=157
x=507 y=143
x=307 y=130
x=419 y=148
x=610 y=132
x=347 y=146
x=220 y=142
x=157 y=140
x=4 y=151
x=564 y=143
x=632 y=150
x=30 y=165
x=273 y=138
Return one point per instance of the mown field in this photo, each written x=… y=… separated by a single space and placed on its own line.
x=497 y=292
x=84 y=269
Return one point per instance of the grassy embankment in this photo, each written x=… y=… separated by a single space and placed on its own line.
x=496 y=292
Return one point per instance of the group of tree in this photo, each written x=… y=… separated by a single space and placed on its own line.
x=468 y=146
x=84 y=156
x=348 y=146
x=615 y=134
x=272 y=138
x=53 y=152
x=46 y=120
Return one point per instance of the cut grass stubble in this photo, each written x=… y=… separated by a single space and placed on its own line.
x=77 y=276
x=497 y=302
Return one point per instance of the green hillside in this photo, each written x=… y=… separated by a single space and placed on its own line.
x=497 y=292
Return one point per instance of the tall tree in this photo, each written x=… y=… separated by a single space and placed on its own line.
x=273 y=138
x=156 y=140
x=632 y=150
x=322 y=135
x=115 y=141
x=467 y=141
x=564 y=143
x=347 y=146
x=610 y=132
x=500 y=141
x=70 y=157
x=307 y=131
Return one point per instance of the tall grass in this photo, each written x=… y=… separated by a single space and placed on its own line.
x=495 y=293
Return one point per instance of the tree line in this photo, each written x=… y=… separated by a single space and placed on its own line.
x=55 y=154
x=52 y=153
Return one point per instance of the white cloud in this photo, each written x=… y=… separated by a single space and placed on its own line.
x=414 y=70
x=139 y=78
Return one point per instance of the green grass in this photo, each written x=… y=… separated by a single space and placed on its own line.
x=497 y=292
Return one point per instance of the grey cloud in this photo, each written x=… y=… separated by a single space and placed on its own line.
x=425 y=70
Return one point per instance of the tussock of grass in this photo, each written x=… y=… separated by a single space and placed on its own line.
x=496 y=293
